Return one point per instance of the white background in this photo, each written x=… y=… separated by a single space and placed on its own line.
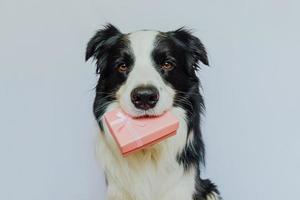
x=251 y=128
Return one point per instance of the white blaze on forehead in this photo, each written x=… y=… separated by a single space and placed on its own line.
x=142 y=44
x=142 y=41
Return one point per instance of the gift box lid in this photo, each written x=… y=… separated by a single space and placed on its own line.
x=139 y=131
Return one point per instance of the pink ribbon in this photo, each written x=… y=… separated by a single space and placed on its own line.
x=126 y=123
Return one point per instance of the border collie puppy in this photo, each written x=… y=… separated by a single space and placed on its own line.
x=147 y=73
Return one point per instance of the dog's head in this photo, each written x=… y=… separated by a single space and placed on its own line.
x=146 y=72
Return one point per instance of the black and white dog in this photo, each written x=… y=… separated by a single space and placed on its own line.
x=147 y=73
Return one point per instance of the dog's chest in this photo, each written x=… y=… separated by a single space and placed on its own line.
x=148 y=173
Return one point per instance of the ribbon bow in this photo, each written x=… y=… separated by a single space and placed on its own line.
x=126 y=123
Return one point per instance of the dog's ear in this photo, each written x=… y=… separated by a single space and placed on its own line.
x=192 y=45
x=101 y=42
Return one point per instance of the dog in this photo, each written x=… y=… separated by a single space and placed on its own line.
x=146 y=73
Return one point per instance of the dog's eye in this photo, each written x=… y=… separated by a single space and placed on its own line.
x=122 y=68
x=167 y=66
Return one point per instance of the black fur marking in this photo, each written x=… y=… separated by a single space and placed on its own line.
x=204 y=187
x=192 y=45
x=184 y=51
x=109 y=47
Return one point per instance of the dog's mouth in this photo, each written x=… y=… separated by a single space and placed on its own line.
x=152 y=113
x=144 y=113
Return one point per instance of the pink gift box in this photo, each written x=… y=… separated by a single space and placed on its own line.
x=133 y=134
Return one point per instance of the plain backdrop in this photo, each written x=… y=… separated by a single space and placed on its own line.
x=251 y=127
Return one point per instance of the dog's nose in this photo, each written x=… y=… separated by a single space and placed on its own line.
x=144 y=97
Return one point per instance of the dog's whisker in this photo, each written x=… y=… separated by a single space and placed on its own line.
x=98 y=108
